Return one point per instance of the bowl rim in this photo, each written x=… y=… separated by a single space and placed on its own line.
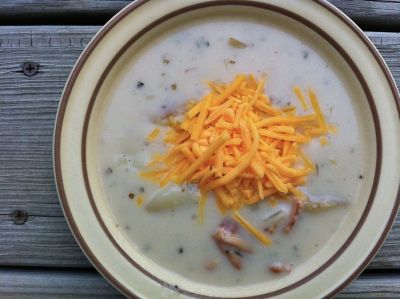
x=105 y=30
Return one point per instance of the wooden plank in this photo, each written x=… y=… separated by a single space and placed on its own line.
x=40 y=241
x=370 y=15
x=47 y=283
x=27 y=110
x=383 y=15
x=72 y=284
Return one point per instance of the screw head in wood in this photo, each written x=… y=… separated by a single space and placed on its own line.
x=30 y=68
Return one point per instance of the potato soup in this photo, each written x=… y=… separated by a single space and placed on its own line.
x=173 y=70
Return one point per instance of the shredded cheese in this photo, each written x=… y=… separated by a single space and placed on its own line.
x=236 y=145
x=300 y=95
x=251 y=229
x=153 y=135
x=139 y=200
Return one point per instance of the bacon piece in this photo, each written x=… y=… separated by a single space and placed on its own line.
x=294 y=215
x=278 y=268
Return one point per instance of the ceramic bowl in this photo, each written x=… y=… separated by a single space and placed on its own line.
x=80 y=189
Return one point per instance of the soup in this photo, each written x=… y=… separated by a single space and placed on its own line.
x=173 y=70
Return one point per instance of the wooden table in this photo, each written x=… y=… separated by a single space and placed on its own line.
x=39 y=258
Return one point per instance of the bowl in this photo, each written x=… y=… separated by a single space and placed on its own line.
x=102 y=71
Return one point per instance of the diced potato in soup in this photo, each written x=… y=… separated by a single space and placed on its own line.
x=173 y=70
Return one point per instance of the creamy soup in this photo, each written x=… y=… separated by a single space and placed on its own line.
x=173 y=69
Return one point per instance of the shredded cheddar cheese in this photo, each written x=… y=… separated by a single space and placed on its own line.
x=235 y=144
x=139 y=200
x=251 y=229
x=153 y=135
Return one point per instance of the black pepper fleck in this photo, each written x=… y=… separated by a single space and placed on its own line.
x=108 y=171
x=174 y=86
x=139 y=84
x=141 y=189
x=180 y=250
x=166 y=61
x=360 y=176
x=305 y=54
x=227 y=251
x=163 y=106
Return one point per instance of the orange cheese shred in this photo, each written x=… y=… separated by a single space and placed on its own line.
x=236 y=145
x=153 y=135
x=300 y=95
x=251 y=229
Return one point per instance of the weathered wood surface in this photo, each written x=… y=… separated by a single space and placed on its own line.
x=72 y=284
x=27 y=112
x=47 y=283
x=369 y=14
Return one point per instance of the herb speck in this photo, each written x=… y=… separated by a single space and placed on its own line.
x=174 y=86
x=108 y=171
x=141 y=189
x=166 y=61
x=238 y=253
x=131 y=195
x=202 y=43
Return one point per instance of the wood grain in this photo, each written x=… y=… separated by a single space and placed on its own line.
x=47 y=283
x=73 y=284
x=383 y=15
x=28 y=107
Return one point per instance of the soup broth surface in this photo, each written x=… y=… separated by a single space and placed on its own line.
x=174 y=68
